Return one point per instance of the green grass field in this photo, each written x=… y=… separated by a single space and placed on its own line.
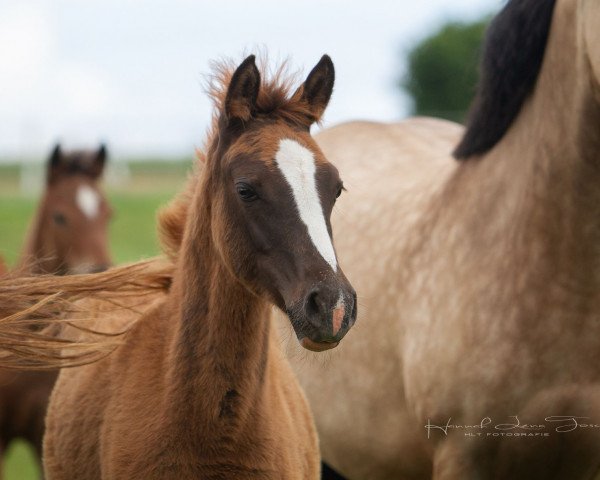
x=132 y=237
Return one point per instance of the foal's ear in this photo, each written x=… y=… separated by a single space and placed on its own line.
x=99 y=161
x=316 y=91
x=240 y=101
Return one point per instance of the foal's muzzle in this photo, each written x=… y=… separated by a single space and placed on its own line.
x=324 y=316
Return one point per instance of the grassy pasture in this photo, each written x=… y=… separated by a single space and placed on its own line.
x=132 y=237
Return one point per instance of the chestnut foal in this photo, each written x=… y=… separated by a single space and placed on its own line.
x=200 y=389
x=69 y=235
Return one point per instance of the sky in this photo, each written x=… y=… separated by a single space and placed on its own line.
x=130 y=73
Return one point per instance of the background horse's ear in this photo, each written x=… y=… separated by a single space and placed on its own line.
x=316 y=90
x=54 y=163
x=99 y=161
x=55 y=156
x=240 y=101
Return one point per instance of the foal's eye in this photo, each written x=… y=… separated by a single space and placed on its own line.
x=339 y=191
x=59 y=219
x=246 y=192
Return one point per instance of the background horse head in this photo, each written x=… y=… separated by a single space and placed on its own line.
x=70 y=231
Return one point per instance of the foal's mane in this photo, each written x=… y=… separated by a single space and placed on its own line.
x=275 y=97
x=276 y=101
x=512 y=57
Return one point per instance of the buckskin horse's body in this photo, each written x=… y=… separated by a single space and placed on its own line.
x=199 y=389
x=479 y=278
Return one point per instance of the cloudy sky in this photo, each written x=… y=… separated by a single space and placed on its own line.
x=130 y=72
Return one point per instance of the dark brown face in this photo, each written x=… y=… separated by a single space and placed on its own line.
x=277 y=191
x=75 y=214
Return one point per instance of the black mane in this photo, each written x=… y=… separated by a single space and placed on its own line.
x=512 y=57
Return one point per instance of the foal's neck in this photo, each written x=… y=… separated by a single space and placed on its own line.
x=221 y=343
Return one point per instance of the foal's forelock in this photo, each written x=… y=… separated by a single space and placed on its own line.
x=298 y=166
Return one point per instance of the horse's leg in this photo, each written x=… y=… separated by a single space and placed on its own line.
x=328 y=473
x=2 y=451
x=453 y=462
x=38 y=451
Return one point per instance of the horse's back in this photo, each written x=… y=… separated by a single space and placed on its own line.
x=391 y=172
x=407 y=144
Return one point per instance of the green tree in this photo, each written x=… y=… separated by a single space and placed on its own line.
x=442 y=70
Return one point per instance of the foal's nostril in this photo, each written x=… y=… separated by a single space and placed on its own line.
x=325 y=315
x=312 y=305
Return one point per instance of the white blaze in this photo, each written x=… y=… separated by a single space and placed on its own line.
x=297 y=164
x=88 y=201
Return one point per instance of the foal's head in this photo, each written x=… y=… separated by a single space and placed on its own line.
x=72 y=234
x=272 y=192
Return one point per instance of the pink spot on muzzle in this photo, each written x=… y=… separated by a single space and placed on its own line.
x=338 y=318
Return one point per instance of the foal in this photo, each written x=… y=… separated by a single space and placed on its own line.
x=69 y=235
x=200 y=388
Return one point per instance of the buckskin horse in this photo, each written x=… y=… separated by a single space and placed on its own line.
x=199 y=388
x=69 y=234
x=479 y=275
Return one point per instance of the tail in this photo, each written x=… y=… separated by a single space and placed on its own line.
x=34 y=310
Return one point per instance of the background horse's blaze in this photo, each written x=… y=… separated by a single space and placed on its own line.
x=483 y=297
x=229 y=404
